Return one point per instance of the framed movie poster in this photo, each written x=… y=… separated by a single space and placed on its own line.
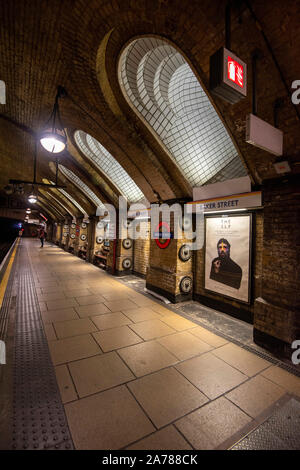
x=227 y=256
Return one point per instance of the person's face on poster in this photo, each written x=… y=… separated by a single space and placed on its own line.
x=223 y=250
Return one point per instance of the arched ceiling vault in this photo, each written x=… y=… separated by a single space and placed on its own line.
x=162 y=89
x=76 y=193
x=47 y=211
x=50 y=44
x=107 y=192
x=65 y=199
x=62 y=207
x=47 y=201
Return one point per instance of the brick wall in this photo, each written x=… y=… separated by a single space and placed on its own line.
x=141 y=255
x=277 y=309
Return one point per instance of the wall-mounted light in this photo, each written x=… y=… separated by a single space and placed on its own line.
x=53 y=138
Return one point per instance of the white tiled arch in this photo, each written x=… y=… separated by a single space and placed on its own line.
x=94 y=151
x=81 y=185
x=67 y=195
x=159 y=85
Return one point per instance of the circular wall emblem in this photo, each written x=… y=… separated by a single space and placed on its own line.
x=83 y=225
x=99 y=240
x=186 y=284
x=126 y=263
x=185 y=253
x=83 y=237
x=127 y=243
x=160 y=241
x=73 y=235
x=73 y=225
x=65 y=234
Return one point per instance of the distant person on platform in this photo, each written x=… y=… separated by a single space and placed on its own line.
x=223 y=269
x=42 y=236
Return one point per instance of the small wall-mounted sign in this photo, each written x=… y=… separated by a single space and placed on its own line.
x=228 y=76
x=229 y=203
x=261 y=134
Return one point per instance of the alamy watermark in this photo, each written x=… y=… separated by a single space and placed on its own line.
x=165 y=222
x=296 y=354
x=2 y=352
x=296 y=93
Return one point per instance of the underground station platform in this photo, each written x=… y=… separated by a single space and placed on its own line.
x=94 y=363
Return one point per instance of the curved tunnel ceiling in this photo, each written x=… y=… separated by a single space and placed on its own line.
x=95 y=152
x=161 y=87
x=74 y=202
x=81 y=185
x=61 y=205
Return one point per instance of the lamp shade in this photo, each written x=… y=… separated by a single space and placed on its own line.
x=53 y=141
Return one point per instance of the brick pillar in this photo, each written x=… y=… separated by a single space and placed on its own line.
x=77 y=235
x=91 y=232
x=50 y=228
x=141 y=251
x=168 y=274
x=72 y=236
x=66 y=233
x=276 y=312
x=58 y=233
x=123 y=248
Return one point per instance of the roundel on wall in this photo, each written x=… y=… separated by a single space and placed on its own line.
x=99 y=240
x=186 y=284
x=83 y=225
x=83 y=237
x=73 y=225
x=126 y=263
x=127 y=243
x=73 y=235
x=185 y=253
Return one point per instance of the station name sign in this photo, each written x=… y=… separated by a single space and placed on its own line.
x=236 y=201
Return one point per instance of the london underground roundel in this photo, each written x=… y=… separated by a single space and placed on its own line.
x=161 y=229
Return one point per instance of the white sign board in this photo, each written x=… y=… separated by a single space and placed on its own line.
x=236 y=201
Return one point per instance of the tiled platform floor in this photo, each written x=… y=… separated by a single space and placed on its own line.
x=135 y=375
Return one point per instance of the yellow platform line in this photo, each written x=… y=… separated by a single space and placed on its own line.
x=5 y=278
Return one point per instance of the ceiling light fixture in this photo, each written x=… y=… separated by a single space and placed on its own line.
x=32 y=198
x=53 y=138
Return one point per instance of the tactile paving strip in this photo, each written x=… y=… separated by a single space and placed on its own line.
x=279 y=432
x=39 y=420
